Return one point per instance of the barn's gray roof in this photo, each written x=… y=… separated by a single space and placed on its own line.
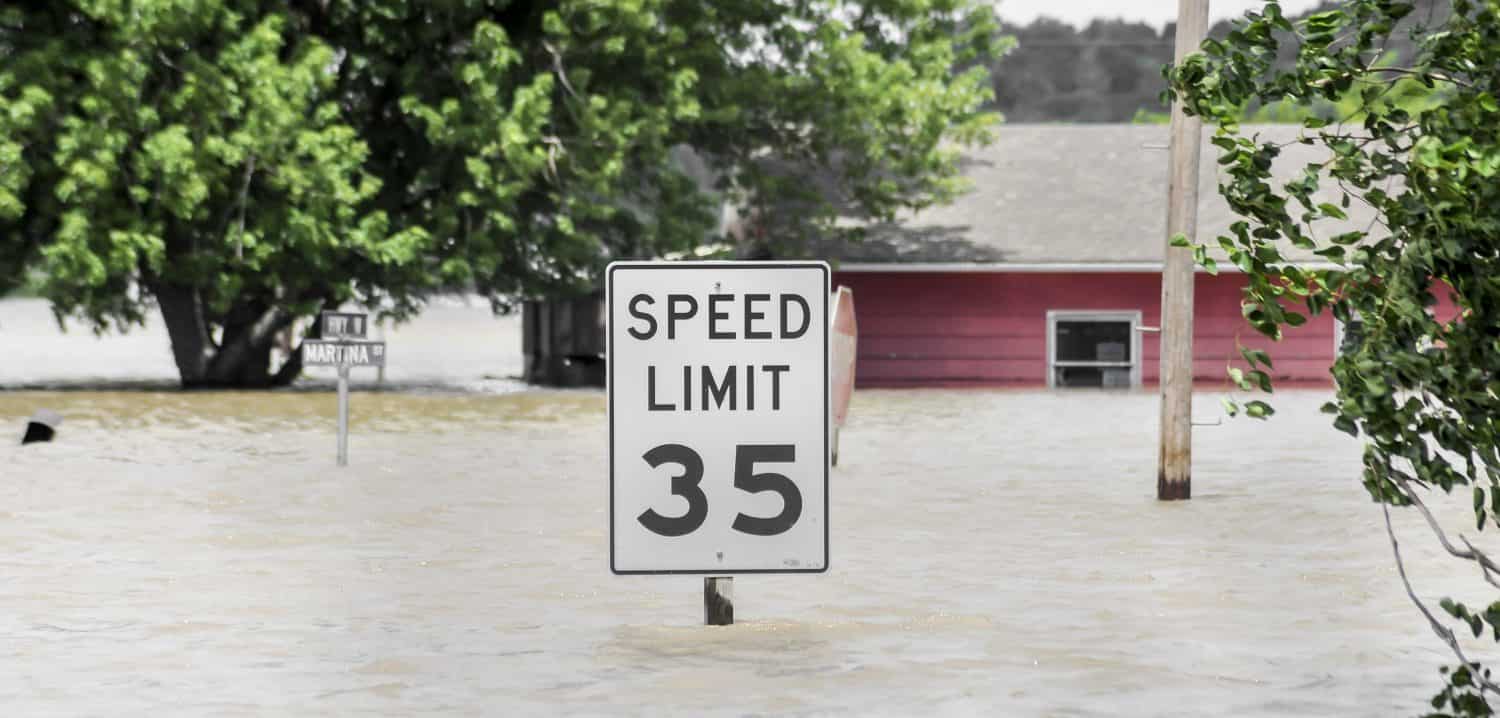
x=1080 y=194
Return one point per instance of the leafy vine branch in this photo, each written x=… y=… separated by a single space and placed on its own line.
x=1486 y=565
x=1442 y=631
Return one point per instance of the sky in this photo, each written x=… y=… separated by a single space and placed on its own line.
x=1154 y=12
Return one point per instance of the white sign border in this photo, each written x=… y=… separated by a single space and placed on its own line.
x=609 y=312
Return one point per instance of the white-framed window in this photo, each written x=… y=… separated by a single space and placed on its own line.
x=1093 y=348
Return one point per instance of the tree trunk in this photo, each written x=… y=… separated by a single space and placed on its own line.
x=182 y=312
x=242 y=360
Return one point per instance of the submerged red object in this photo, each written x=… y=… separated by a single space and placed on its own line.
x=842 y=352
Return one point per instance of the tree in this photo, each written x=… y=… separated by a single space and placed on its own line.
x=1423 y=391
x=1102 y=73
x=239 y=163
x=1110 y=71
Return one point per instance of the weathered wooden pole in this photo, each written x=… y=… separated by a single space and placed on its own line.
x=1175 y=458
x=718 y=601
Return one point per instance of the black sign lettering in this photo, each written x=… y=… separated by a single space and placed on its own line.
x=786 y=332
x=746 y=456
x=775 y=372
x=794 y=321
x=651 y=404
x=714 y=315
x=745 y=479
x=638 y=314
x=749 y=387
x=673 y=316
x=751 y=315
x=717 y=390
x=684 y=485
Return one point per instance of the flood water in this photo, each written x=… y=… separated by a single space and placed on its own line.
x=993 y=553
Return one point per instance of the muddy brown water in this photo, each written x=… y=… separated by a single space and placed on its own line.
x=993 y=553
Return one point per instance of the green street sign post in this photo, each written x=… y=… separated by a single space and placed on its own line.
x=344 y=346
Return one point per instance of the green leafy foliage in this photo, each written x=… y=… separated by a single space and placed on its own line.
x=1461 y=696
x=240 y=163
x=1419 y=143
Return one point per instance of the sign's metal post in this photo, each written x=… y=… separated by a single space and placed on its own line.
x=718 y=600
x=343 y=415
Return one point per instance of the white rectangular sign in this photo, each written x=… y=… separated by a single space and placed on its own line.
x=322 y=352
x=343 y=325
x=718 y=417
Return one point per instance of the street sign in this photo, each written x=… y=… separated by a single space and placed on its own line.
x=342 y=346
x=718 y=417
x=322 y=352
x=343 y=325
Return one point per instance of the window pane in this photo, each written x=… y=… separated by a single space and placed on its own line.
x=1074 y=376
x=1108 y=377
x=1117 y=377
x=1093 y=341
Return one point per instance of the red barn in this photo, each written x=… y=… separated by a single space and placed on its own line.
x=1048 y=272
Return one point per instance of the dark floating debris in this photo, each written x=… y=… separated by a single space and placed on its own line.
x=42 y=427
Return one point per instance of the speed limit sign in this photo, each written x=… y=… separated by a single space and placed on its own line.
x=718 y=417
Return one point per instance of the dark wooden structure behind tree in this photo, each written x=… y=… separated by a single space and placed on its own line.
x=563 y=341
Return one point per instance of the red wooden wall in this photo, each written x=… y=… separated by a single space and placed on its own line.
x=989 y=328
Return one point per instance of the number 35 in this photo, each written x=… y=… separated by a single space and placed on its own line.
x=745 y=479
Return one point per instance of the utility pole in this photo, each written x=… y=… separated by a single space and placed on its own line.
x=1174 y=468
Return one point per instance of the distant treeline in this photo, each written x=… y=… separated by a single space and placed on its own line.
x=1110 y=70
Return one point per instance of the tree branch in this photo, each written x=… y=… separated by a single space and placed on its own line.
x=290 y=369
x=1483 y=561
x=239 y=237
x=258 y=335
x=554 y=147
x=1486 y=566
x=1440 y=77
x=1441 y=630
x=557 y=67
